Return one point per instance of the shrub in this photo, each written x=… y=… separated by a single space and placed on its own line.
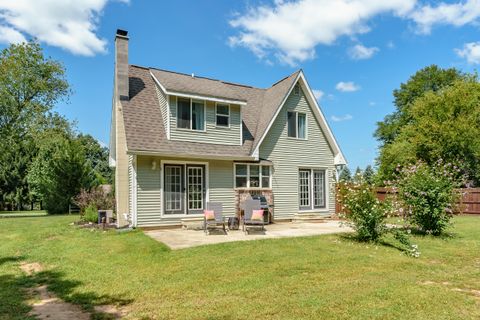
x=97 y=197
x=427 y=193
x=363 y=211
x=91 y=214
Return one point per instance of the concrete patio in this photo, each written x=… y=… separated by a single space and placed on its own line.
x=181 y=238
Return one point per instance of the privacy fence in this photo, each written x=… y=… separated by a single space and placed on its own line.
x=469 y=202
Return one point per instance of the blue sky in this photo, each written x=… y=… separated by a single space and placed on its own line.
x=354 y=53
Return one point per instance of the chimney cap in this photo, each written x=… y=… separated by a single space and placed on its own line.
x=122 y=33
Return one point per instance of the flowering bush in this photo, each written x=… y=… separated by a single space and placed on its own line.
x=97 y=197
x=428 y=194
x=363 y=211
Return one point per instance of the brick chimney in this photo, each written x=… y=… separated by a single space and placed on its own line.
x=121 y=65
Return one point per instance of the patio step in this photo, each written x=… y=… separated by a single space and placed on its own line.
x=310 y=218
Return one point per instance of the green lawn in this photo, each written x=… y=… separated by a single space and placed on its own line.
x=323 y=277
x=33 y=213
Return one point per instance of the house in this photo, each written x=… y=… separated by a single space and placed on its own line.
x=178 y=141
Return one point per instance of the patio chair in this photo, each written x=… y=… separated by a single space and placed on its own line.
x=248 y=222
x=218 y=222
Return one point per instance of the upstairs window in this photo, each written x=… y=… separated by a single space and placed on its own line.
x=296 y=90
x=223 y=115
x=297 y=125
x=190 y=114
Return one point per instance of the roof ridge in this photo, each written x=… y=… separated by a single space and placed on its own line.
x=273 y=85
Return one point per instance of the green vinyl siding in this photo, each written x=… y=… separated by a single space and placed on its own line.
x=162 y=99
x=212 y=133
x=290 y=154
x=149 y=194
x=221 y=185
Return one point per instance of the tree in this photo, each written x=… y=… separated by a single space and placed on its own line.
x=357 y=177
x=345 y=175
x=30 y=86
x=98 y=158
x=59 y=172
x=444 y=127
x=428 y=79
x=369 y=175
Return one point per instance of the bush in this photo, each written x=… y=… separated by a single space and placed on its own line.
x=427 y=193
x=363 y=211
x=91 y=214
x=97 y=197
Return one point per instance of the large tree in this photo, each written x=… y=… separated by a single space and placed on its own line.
x=97 y=155
x=30 y=86
x=60 y=171
x=444 y=126
x=428 y=79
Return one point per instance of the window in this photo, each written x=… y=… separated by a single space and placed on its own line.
x=241 y=175
x=183 y=113
x=190 y=114
x=311 y=189
x=265 y=177
x=252 y=176
x=297 y=125
x=223 y=115
x=296 y=90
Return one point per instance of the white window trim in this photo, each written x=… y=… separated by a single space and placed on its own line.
x=191 y=112
x=248 y=176
x=223 y=115
x=296 y=121
x=311 y=191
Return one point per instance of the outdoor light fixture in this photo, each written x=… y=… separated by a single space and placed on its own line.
x=154 y=165
x=338 y=169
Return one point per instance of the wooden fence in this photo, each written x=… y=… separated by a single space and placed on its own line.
x=469 y=202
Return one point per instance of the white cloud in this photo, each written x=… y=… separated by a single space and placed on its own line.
x=318 y=94
x=342 y=118
x=70 y=25
x=360 y=52
x=471 y=52
x=390 y=45
x=348 y=86
x=372 y=103
x=457 y=14
x=292 y=29
x=9 y=35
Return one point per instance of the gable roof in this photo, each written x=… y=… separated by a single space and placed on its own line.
x=144 y=129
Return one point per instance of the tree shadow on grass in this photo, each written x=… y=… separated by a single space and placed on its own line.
x=385 y=242
x=14 y=293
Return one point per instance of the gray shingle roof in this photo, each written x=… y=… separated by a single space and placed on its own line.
x=144 y=127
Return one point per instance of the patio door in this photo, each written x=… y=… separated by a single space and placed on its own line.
x=195 y=189
x=174 y=190
x=184 y=189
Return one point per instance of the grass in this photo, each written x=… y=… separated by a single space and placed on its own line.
x=323 y=277
x=18 y=214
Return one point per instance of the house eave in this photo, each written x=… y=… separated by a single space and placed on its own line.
x=190 y=156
